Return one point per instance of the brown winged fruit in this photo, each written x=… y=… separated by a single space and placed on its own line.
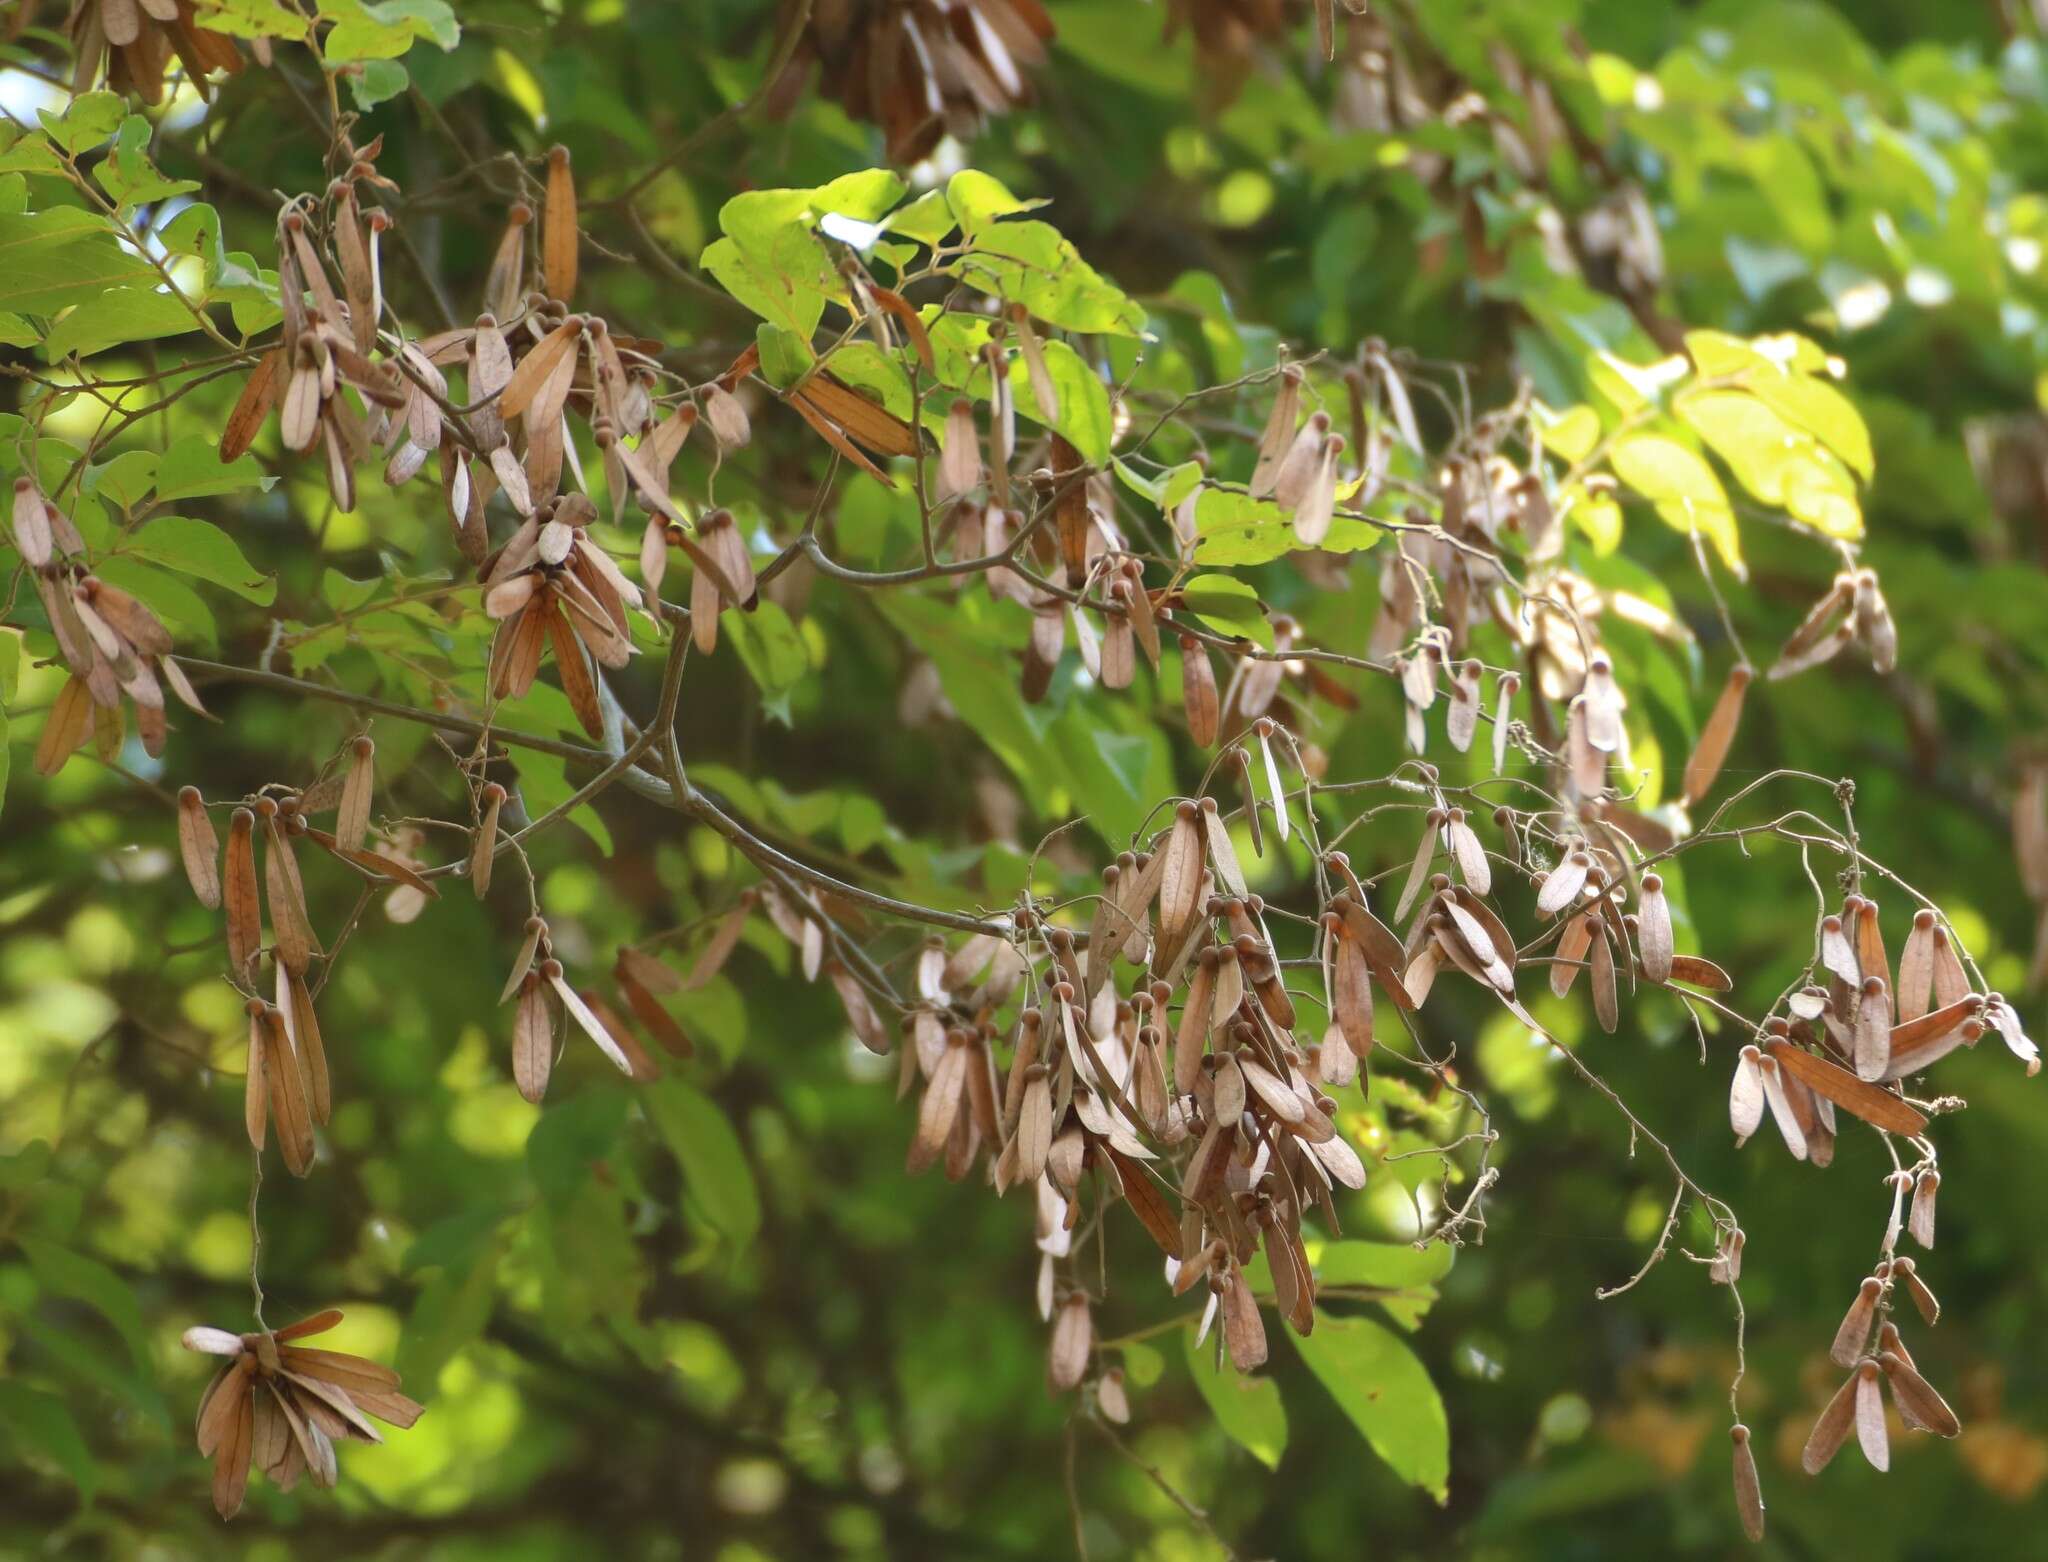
x=282 y=1407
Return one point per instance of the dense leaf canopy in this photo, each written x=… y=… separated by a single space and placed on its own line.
x=674 y=543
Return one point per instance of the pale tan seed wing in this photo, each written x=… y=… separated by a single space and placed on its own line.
x=1831 y=1430
x=352 y=821
x=533 y=1040
x=198 y=847
x=558 y=228
x=1873 y=1104
x=239 y=893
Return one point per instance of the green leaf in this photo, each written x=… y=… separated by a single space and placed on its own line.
x=386 y=30
x=978 y=199
x=1229 y=606
x=927 y=219
x=126 y=172
x=250 y=18
x=454 y=1242
x=379 y=81
x=1029 y=263
x=1237 y=529
x=572 y=1136
x=1247 y=1408
x=1084 y=417
x=87 y=122
x=191 y=468
x=1778 y=463
x=17 y=332
x=29 y=154
x=453 y=1309
x=720 y=1181
x=1572 y=433
x=544 y=783
x=1783 y=372
x=1683 y=488
x=53 y=259
x=203 y=550
x=40 y=1425
x=865 y=196
x=125 y=480
x=774 y=653
x=784 y=355
x=788 y=287
x=83 y=1279
x=1396 y=1266
x=116 y=316
x=1378 y=1382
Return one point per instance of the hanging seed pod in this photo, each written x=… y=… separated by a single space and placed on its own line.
x=1418 y=867
x=483 y=852
x=1110 y=1397
x=1874 y=1104
x=1605 y=1007
x=198 y=847
x=536 y=930
x=1043 y=391
x=66 y=728
x=1871 y=1435
x=1198 y=691
x=959 y=471
x=860 y=1013
x=1180 y=882
x=1916 y=969
x=1919 y=1404
x=302 y=1026
x=558 y=228
x=1572 y=946
x=1653 y=929
x=1587 y=761
x=1244 y=1332
x=1872 y=1036
x=533 y=1038
x=255 y=1086
x=1873 y=621
x=352 y=821
x=1463 y=844
x=1870 y=950
x=1854 y=1333
x=1703 y=765
x=1561 y=886
x=1749 y=1501
x=1318 y=503
x=239 y=893
x=1726 y=1265
x=285 y=893
x=1504 y=698
x=1778 y=1099
x=1832 y=1429
x=586 y=1020
x=1461 y=722
x=1297 y=467
x=1921 y=1221
x=1278 y=436
x=1746 y=1095
x=1836 y=953
x=1905 y=1272
x=1073 y=1342
x=1119 y=646
x=285 y=1084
